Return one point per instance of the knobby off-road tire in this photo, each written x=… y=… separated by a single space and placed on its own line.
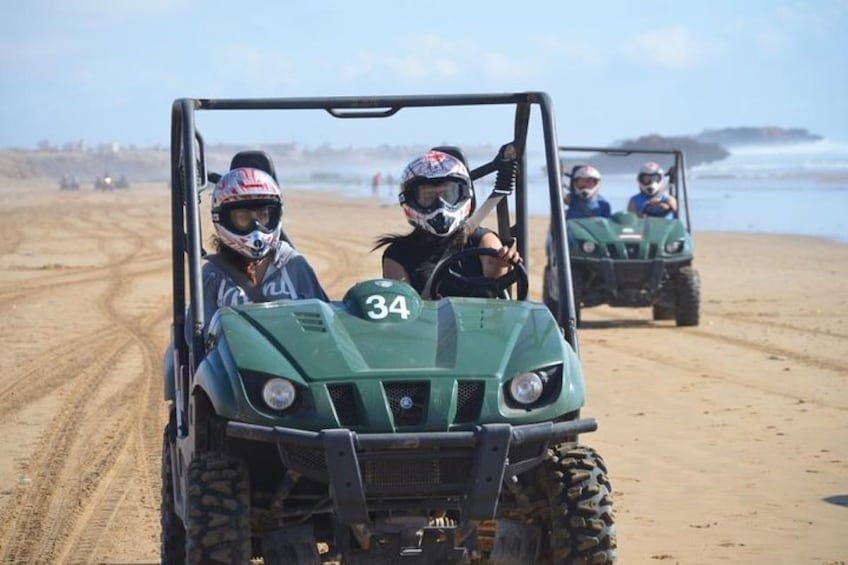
x=218 y=513
x=688 y=290
x=582 y=523
x=172 y=538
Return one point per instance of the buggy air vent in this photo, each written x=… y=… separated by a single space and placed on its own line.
x=408 y=402
x=469 y=400
x=474 y=319
x=612 y=249
x=632 y=250
x=310 y=321
x=344 y=401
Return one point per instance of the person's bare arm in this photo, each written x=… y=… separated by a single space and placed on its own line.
x=494 y=267
x=672 y=203
x=394 y=270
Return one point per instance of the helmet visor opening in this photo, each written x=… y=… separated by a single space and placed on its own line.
x=585 y=182
x=648 y=178
x=426 y=195
x=244 y=217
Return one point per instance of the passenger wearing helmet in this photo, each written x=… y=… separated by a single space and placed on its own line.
x=252 y=263
x=437 y=196
x=652 y=199
x=583 y=198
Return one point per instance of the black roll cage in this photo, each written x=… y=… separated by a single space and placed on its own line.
x=678 y=187
x=187 y=147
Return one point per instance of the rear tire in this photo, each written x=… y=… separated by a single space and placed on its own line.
x=218 y=510
x=688 y=290
x=172 y=538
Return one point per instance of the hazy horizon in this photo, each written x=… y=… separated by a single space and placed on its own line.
x=108 y=72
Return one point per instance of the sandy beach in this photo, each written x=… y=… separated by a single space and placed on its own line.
x=726 y=442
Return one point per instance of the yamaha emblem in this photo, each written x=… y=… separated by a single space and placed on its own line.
x=405 y=403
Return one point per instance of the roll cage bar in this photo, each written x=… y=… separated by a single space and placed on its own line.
x=677 y=175
x=189 y=175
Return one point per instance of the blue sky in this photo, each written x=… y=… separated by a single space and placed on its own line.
x=108 y=70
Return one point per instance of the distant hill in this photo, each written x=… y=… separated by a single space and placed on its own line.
x=696 y=153
x=153 y=164
x=731 y=137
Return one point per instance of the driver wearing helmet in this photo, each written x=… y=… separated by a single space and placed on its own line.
x=583 y=198
x=652 y=199
x=252 y=262
x=436 y=196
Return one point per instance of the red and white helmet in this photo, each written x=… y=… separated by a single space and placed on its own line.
x=247 y=209
x=589 y=188
x=650 y=178
x=436 y=193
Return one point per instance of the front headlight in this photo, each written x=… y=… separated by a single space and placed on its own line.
x=526 y=388
x=588 y=246
x=278 y=394
x=673 y=246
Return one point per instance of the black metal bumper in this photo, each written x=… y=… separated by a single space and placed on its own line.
x=352 y=463
x=632 y=282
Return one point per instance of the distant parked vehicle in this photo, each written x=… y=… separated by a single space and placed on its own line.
x=106 y=182
x=69 y=183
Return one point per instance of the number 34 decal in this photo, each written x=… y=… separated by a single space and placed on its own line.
x=378 y=308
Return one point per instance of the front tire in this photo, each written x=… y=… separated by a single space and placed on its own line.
x=218 y=512
x=580 y=513
x=688 y=290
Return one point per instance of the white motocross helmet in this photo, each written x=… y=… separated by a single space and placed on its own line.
x=247 y=209
x=436 y=193
x=650 y=178
x=590 y=189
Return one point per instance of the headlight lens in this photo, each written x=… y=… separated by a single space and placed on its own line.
x=588 y=246
x=278 y=394
x=526 y=388
x=673 y=246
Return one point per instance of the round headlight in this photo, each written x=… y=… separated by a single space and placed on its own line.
x=588 y=246
x=673 y=246
x=278 y=394
x=526 y=388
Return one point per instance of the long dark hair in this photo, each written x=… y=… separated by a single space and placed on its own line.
x=236 y=259
x=422 y=238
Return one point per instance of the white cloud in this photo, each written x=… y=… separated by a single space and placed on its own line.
x=672 y=48
x=573 y=52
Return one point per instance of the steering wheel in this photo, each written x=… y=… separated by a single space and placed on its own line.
x=446 y=270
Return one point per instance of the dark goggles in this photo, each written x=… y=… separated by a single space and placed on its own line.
x=428 y=194
x=244 y=217
x=647 y=178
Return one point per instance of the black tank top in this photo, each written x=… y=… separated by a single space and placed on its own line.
x=419 y=256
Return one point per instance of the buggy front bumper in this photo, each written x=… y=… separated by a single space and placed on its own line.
x=466 y=466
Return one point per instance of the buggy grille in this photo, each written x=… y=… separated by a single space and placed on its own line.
x=469 y=400
x=344 y=401
x=632 y=250
x=408 y=402
x=441 y=472
x=306 y=460
x=632 y=275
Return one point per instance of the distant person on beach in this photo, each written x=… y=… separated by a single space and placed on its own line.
x=652 y=199
x=437 y=197
x=375 y=185
x=583 y=197
x=252 y=263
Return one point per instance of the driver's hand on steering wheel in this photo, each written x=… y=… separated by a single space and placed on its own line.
x=508 y=255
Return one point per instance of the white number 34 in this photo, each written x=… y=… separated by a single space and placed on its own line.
x=378 y=309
